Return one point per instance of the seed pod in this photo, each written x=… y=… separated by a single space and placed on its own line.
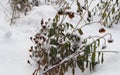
x=44 y=27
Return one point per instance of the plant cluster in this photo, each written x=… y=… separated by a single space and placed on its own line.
x=109 y=11
x=23 y=6
x=19 y=6
x=56 y=49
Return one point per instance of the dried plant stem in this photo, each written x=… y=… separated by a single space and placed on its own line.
x=83 y=16
x=109 y=51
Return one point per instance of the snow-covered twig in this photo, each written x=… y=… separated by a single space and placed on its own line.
x=64 y=60
x=75 y=54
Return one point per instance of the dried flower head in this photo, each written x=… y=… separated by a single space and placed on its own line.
x=102 y=30
x=71 y=15
x=110 y=40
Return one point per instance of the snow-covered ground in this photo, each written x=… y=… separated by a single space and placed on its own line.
x=15 y=42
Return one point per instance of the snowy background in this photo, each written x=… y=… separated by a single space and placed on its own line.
x=15 y=42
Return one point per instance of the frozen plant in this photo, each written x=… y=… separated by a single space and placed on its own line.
x=59 y=45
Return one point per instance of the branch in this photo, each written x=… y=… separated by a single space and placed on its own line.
x=87 y=25
x=109 y=51
x=64 y=60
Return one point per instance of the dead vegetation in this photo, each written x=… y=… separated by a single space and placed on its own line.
x=23 y=6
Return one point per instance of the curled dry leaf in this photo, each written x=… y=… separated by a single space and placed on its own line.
x=71 y=15
x=30 y=50
x=31 y=38
x=110 y=40
x=102 y=30
x=28 y=61
x=60 y=12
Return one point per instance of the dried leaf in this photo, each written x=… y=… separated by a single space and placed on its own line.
x=60 y=12
x=30 y=50
x=71 y=15
x=110 y=40
x=80 y=31
x=28 y=62
x=88 y=19
x=102 y=30
x=89 y=14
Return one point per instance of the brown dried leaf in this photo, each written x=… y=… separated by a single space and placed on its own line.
x=28 y=62
x=60 y=12
x=110 y=40
x=102 y=30
x=71 y=15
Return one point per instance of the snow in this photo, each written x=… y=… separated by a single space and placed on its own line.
x=15 y=42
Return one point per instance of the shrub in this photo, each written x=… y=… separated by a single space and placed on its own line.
x=56 y=48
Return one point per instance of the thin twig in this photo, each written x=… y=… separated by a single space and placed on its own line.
x=109 y=51
x=87 y=24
